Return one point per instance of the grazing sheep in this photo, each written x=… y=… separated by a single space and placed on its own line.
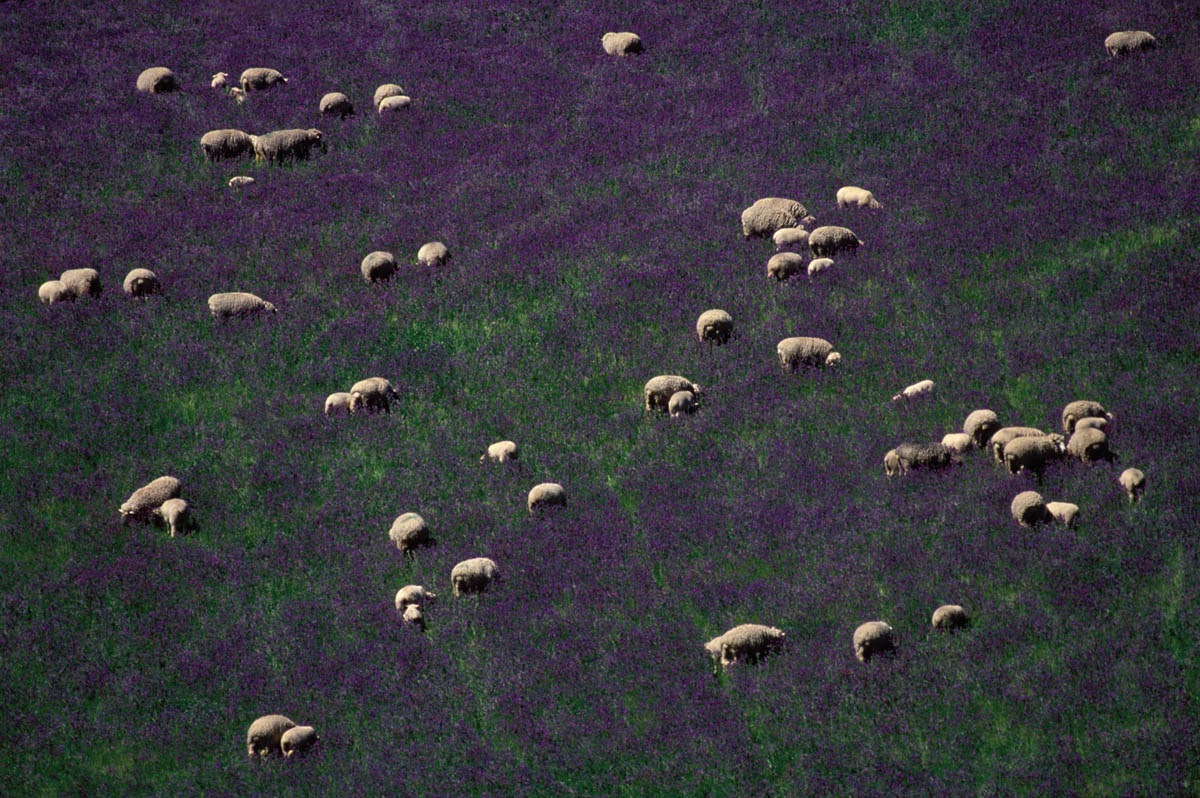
x=81 y=282
x=1089 y=445
x=238 y=181
x=1134 y=483
x=786 y=237
x=220 y=80
x=681 y=403
x=546 y=494
x=911 y=456
x=658 y=391
x=1033 y=453
x=237 y=94
x=226 y=143
x=783 y=265
x=413 y=594
x=373 y=393
x=806 y=351
x=176 y=514
x=264 y=736
x=981 y=425
x=769 y=214
x=433 y=254
x=1029 y=508
x=1080 y=409
x=950 y=617
x=818 y=265
x=385 y=91
x=378 y=265
x=957 y=442
x=336 y=104
x=338 y=403
x=413 y=615
x=914 y=391
x=871 y=638
x=261 y=79
x=409 y=531
x=394 y=104
x=855 y=197
x=141 y=282
x=237 y=303
x=714 y=325
x=621 y=44
x=827 y=241
x=1091 y=422
x=1005 y=435
x=157 y=80
x=1063 y=512
x=1124 y=42
x=746 y=643
x=474 y=576
x=500 y=452
x=282 y=145
x=148 y=498
x=298 y=741
x=53 y=291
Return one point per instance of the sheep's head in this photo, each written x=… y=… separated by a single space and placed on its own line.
x=270 y=308
x=240 y=96
x=833 y=359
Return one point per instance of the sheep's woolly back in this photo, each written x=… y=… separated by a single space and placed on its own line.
x=1129 y=41
x=226 y=143
x=338 y=402
x=786 y=237
x=150 y=496
x=264 y=736
x=81 y=282
x=237 y=303
x=981 y=425
x=500 y=452
x=260 y=78
x=413 y=594
x=957 y=442
x=53 y=291
x=336 y=104
x=157 y=80
x=409 y=531
x=546 y=494
x=1065 y=513
x=140 y=282
x=1081 y=409
x=930 y=455
x=378 y=265
x=293 y=143
x=175 y=513
x=827 y=241
x=949 y=617
x=770 y=214
x=804 y=351
x=1089 y=444
x=1029 y=508
x=681 y=403
x=298 y=740
x=818 y=265
x=855 y=197
x=385 y=91
x=658 y=390
x=745 y=643
x=922 y=388
x=1005 y=435
x=783 y=265
x=714 y=325
x=1032 y=452
x=434 y=253
x=394 y=104
x=1134 y=483
x=871 y=638
x=621 y=43
x=475 y=575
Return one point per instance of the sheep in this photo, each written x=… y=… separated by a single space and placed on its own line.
x=385 y=91
x=1063 y=512
x=237 y=303
x=377 y=266
x=806 y=351
x=338 y=403
x=1082 y=408
x=818 y=265
x=298 y=741
x=500 y=452
x=1005 y=435
x=1091 y=422
x=855 y=197
x=336 y=104
x=261 y=79
x=981 y=425
x=226 y=143
x=621 y=43
x=409 y=531
x=681 y=403
x=1134 y=483
x=220 y=80
x=81 y=282
x=413 y=594
x=871 y=638
x=157 y=80
x=394 y=104
x=148 y=498
x=658 y=391
x=786 y=237
x=783 y=265
x=1089 y=445
x=474 y=576
x=1029 y=508
x=1033 y=452
x=53 y=291
x=770 y=214
x=715 y=326
x=747 y=642
x=545 y=495
x=957 y=442
x=949 y=617
x=413 y=615
x=911 y=456
x=238 y=181
x=141 y=283
x=915 y=391
x=1124 y=42
x=373 y=393
x=433 y=254
x=237 y=94
x=282 y=145
x=176 y=514
x=829 y=240
x=264 y=735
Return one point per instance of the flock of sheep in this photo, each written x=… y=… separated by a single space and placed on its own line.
x=785 y=221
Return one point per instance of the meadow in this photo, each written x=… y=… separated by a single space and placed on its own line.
x=1038 y=245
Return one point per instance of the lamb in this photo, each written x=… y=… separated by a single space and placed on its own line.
x=1079 y=409
x=413 y=594
x=786 y=237
x=827 y=241
x=748 y=643
x=298 y=741
x=855 y=197
x=338 y=403
x=818 y=265
x=394 y=104
x=681 y=403
x=409 y=531
x=1089 y=445
x=621 y=43
x=658 y=391
x=81 y=282
x=377 y=266
x=545 y=495
x=157 y=80
x=282 y=145
x=373 y=393
x=500 y=452
x=950 y=617
x=1063 y=512
x=385 y=91
x=1033 y=452
x=336 y=104
x=715 y=326
x=237 y=303
x=148 y=498
x=261 y=79
x=474 y=576
x=1029 y=508
x=226 y=143
x=914 y=391
x=238 y=181
x=957 y=442
x=175 y=513
x=433 y=254
x=53 y=291
x=141 y=283
x=1005 y=435
x=871 y=638
x=237 y=94
x=806 y=351
x=264 y=736
x=1134 y=483
x=911 y=456
x=220 y=80
x=981 y=425
x=1124 y=42
x=783 y=265
x=769 y=214
x=413 y=615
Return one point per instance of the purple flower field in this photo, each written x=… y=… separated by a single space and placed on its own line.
x=1037 y=245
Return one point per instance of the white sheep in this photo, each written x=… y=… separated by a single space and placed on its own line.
x=950 y=617
x=81 y=282
x=855 y=197
x=981 y=425
x=373 y=393
x=1134 y=483
x=827 y=241
x=1091 y=422
x=474 y=576
x=769 y=214
x=148 y=498
x=292 y=144
x=1033 y=453
x=157 y=80
x=220 y=80
x=237 y=303
x=1029 y=508
x=658 y=391
x=1088 y=445
x=806 y=351
x=912 y=456
x=500 y=452
x=1080 y=409
x=434 y=253
x=957 y=442
x=715 y=326
x=53 y=291
x=261 y=79
x=783 y=265
x=786 y=237
x=226 y=143
x=336 y=104
x=1005 y=435
x=818 y=265
x=394 y=104
x=915 y=391
x=1064 y=513
x=378 y=265
x=871 y=638
x=385 y=91
x=409 y=531
x=338 y=403
x=239 y=181
x=298 y=741
x=176 y=514
x=745 y=643
x=264 y=736
x=415 y=616
x=141 y=282
x=681 y=403
x=413 y=594
x=621 y=43
x=546 y=494
x=237 y=94
x=1124 y=42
